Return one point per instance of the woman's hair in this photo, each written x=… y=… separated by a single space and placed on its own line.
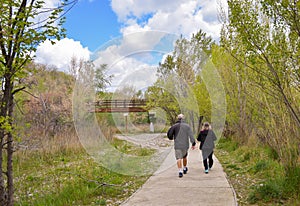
x=206 y=126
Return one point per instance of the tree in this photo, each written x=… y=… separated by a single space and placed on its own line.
x=263 y=37
x=23 y=25
x=179 y=79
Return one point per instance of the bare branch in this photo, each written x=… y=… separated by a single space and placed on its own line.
x=30 y=94
x=17 y=90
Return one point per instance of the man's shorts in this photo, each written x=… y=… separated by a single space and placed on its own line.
x=181 y=153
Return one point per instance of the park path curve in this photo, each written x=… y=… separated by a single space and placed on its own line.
x=194 y=189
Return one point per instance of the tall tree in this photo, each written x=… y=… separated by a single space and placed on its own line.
x=23 y=25
x=270 y=38
x=179 y=80
x=263 y=37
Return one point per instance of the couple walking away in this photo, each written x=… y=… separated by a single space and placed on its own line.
x=182 y=133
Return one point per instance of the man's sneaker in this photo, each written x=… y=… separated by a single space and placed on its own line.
x=206 y=171
x=180 y=174
x=185 y=170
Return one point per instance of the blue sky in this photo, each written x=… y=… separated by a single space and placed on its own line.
x=92 y=23
x=130 y=36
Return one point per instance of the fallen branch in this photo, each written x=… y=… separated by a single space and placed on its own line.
x=100 y=184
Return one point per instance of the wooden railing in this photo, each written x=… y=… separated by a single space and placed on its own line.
x=135 y=105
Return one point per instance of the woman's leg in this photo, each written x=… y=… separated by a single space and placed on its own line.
x=205 y=164
x=210 y=160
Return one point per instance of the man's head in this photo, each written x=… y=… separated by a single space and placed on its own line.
x=180 y=116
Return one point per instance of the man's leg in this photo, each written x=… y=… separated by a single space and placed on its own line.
x=185 y=169
x=178 y=155
x=184 y=161
x=179 y=163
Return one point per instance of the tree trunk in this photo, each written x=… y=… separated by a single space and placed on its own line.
x=10 y=150
x=10 y=183
x=7 y=191
x=2 y=184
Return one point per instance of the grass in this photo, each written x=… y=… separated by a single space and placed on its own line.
x=130 y=148
x=257 y=175
x=71 y=177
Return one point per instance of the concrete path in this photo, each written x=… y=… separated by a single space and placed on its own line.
x=194 y=188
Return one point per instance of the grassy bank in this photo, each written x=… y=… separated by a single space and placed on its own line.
x=71 y=177
x=257 y=175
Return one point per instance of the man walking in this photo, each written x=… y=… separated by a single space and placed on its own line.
x=182 y=133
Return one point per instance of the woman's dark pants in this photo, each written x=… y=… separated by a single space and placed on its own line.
x=210 y=161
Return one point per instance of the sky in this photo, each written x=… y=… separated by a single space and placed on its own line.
x=130 y=36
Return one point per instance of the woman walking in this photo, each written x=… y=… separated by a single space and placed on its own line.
x=206 y=138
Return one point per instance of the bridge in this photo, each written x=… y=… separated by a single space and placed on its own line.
x=121 y=106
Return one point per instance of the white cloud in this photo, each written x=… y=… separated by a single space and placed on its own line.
x=129 y=60
x=135 y=8
x=60 y=53
x=182 y=17
x=144 y=25
x=129 y=71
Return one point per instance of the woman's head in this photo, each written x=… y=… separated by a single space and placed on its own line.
x=206 y=126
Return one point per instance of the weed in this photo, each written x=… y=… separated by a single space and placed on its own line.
x=233 y=166
x=292 y=180
x=272 y=153
x=267 y=192
x=260 y=166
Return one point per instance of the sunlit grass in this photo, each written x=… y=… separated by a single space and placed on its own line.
x=71 y=177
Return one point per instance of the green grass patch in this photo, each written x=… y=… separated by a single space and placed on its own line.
x=257 y=175
x=227 y=145
x=270 y=191
x=70 y=178
x=130 y=148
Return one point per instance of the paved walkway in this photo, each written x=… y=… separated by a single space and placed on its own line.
x=194 y=188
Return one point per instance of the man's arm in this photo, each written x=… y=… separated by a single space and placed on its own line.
x=170 y=133
x=192 y=139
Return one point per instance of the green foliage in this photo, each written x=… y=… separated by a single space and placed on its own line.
x=260 y=166
x=5 y=124
x=227 y=144
x=257 y=177
x=162 y=98
x=23 y=26
x=292 y=180
x=262 y=39
x=179 y=87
